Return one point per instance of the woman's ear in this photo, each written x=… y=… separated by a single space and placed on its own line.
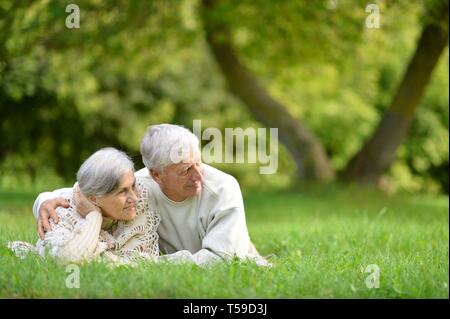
x=93 y=199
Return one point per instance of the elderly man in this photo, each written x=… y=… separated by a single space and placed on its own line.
x=201 y=208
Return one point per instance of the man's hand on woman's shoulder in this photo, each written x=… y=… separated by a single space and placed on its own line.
x=47 y=211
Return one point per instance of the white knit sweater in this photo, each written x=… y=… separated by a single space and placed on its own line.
x=76 y=239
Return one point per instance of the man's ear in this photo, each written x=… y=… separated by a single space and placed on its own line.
x=155 y=175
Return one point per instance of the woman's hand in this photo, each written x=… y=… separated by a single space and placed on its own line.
x=82 y=204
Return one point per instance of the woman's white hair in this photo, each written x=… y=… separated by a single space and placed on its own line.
x=167 y=144
x=100 y=174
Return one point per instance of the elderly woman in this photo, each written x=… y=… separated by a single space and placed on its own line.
x=121 y=222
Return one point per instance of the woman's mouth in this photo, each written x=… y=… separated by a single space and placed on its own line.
x=130 y=208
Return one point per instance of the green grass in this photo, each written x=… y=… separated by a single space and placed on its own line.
x=321 y=241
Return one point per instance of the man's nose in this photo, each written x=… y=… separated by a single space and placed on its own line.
x=197 y=173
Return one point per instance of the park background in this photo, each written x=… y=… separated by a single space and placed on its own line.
x=362 y=113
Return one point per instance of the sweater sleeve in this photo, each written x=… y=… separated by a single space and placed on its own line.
x=83 y=239
x=226 y=237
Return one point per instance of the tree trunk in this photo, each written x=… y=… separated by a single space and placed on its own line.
x=306 y=149
x=378 y=153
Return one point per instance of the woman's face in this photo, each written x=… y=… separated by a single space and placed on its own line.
x=121 y=203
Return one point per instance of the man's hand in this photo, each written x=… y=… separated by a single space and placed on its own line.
x=82 y=204
x=47 y=211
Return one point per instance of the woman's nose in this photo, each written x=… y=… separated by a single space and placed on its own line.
x=133 y=196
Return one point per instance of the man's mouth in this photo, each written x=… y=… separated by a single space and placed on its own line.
x=195 y=185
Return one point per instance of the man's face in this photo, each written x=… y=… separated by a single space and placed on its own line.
x=180 y=181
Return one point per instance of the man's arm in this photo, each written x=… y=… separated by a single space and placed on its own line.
x=42 y=197
x=44 y=208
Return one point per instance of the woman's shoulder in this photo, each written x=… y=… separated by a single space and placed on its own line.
x=68 y=218
x=144 y=191
x=69 y=215
x=68 y=195
x=146 y=181
x=146 y=204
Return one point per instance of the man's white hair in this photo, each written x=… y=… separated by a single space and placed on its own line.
x=100 y=174
x=167 y=144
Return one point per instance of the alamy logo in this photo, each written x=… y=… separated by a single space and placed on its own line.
x=373 y=19
x=73 y=19
x=373 y=280
x=73 y=279
x=220 y=150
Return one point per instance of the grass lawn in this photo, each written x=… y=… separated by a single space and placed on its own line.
x=321 y=241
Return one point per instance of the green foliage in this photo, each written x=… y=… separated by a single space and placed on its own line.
x=66 y=92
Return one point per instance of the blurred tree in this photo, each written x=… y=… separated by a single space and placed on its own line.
x=379 y=151
x=66 y=92
x=304 y=146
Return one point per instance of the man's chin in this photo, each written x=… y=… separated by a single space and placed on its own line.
x=194 y=191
